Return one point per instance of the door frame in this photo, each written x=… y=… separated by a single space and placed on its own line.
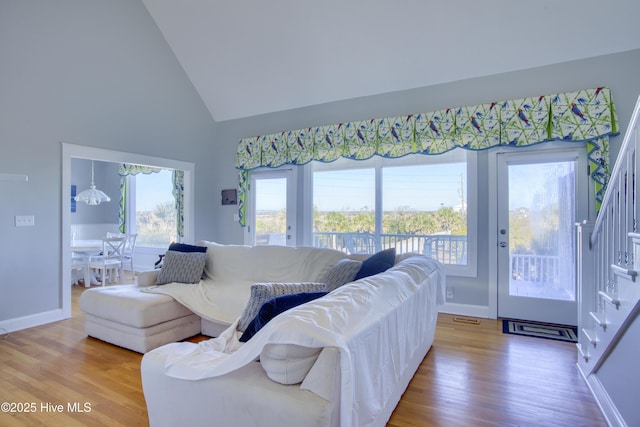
x=70 y=151
x=588 y=205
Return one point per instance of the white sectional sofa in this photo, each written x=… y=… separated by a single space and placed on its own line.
x=342 y=359
x=144 y=316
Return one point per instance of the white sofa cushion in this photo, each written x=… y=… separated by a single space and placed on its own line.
x=288 y=363
x=263 y=292
x=142 y=339
x=268 y=263
x=125 y=304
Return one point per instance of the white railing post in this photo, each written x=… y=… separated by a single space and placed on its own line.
x=586 y=280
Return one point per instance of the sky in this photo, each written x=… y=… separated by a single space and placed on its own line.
x=529 y=183
x=153 y=189
x=416 y=187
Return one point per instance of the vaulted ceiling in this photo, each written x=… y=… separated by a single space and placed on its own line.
x=250 y=57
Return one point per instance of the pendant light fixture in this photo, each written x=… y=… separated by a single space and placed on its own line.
x=92 y=196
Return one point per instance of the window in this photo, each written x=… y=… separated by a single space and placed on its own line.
x=155 y=208
x=415 y=204
x=424 y=210
x=344 y=209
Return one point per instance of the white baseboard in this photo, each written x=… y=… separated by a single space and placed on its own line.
x=465 y=310
x=609 y=410
x=38 y=319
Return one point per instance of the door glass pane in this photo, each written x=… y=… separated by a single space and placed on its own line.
x=344 y=210
x=271 y=211
x=541 y=219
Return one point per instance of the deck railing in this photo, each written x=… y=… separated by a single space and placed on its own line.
x=448 y=249
x=535 y=268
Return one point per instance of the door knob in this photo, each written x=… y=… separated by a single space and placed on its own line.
x=503 y=244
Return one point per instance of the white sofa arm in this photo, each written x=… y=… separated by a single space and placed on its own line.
x=147 y=278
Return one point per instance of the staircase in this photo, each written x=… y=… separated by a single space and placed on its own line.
x=609 y=290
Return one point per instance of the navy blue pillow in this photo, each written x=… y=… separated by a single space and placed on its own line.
x=275 y=306
x=183 y=247
x=377 y=263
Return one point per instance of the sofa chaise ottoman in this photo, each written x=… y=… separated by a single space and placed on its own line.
x=140 y=321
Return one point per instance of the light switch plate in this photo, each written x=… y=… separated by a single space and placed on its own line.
x=25 y=221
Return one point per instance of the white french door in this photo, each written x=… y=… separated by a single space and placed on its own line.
x=541 y=196
x=271 y=208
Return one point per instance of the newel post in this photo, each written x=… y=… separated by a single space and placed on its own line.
x=586 y=282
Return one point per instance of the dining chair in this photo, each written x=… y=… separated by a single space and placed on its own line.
x=129 y=247
x=360 y=243
x=110 y=259
x=78 y=264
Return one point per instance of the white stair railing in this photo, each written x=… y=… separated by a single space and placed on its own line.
x=609 y=259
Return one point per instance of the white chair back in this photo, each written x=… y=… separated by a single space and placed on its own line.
x=113 y=248
x=129 y=247
x=111 y=258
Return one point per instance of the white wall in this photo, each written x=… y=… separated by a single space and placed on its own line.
x=87 y=72
x=618 y=71
x=619 y=375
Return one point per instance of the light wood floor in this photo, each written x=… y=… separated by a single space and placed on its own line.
x=474 y=375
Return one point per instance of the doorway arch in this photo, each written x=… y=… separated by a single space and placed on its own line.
x=70 y=151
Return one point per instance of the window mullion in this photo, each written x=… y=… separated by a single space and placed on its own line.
x=130 y=205
x=378 y=202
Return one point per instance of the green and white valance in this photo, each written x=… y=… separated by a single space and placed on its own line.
x=585 y=115
x=178 y=194
x=177 y=191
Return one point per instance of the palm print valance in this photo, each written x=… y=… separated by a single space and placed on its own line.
x=585 y=115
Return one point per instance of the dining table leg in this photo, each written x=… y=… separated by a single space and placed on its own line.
x=87 y=276
x=85 y=249
x=90 y=277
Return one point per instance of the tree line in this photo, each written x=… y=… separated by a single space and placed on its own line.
x=402 y=220
x=157 y=227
